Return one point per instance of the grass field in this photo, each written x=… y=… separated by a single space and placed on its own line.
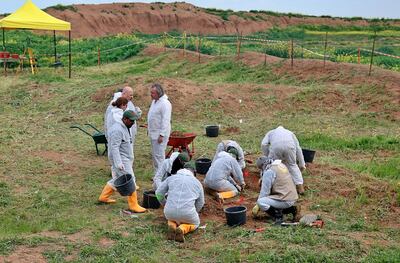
x=51 y=177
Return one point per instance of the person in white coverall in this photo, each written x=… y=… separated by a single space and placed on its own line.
x=278 y=193
x=225 y=145
x=159 y=124
x=126 y=93
x=169 y=167
x=225 y=176
x=121 y=159
x=184 y=202
x=282 y=144
x=115 y=115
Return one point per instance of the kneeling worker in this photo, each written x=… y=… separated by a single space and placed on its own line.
x=226 y=145
x=278 y=193
x=184 y=202
x=121 y=159
x=169 y=167
x=225 y=176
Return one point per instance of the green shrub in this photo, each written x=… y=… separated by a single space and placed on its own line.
x=63 y=7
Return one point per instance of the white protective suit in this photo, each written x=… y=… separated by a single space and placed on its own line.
x=223 y=146
x=219 y=176
x=120 y=151
x=115 y=115
x=266 y=198
x=159 y=123
x=185 y=197
x=282 y=144
x=164 y=170
x=131 y=107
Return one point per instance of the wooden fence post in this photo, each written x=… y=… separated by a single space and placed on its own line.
x=325 y=46
x=165 y=41
x=98 y=57
x=359 y=55
x=239 y=43
x=184 y=44
x=265 y=55
x=199 y=49
x=291 y=52
x=372 y=55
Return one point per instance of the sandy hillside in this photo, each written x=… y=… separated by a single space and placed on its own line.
x=110 y=19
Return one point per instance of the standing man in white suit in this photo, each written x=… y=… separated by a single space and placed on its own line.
x=159 y=124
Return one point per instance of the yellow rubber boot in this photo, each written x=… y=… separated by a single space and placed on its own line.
x=133 y=204
x=182 y=230
x=172 y=225
x=255 y=211
x=224 y=195
x=105 y=194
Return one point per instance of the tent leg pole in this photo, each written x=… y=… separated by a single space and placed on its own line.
x=4 y=40
x=69 y=52
x=55 y=48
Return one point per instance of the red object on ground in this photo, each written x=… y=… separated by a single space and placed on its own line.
x=15 y=56
x=317 y=224
x=181 y=141
x=261 y=229
x=240 y=201
x=246 y=173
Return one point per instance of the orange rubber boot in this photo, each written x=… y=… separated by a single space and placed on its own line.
x=182 y=230
x=134 y=205
x=105 y=194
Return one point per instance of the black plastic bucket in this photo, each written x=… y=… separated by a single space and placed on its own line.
x=150 y=200
x=308 y=155
x=212 y=130
x=235 y=215
x=202 y=165
x=125 y=185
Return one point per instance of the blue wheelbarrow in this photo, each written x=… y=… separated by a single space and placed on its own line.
x=98 y=136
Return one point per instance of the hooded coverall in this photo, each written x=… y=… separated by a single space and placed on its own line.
x=121 y=159
x=277 y=189
x=282 y=144
x=164 y=171
x=115 y=115
x=185 y=198
x=120 y=151
x=223 y=146
x=131 y=107
x=159 y=123
x=219 y=176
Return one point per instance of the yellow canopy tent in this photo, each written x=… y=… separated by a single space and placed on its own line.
x=29 y=16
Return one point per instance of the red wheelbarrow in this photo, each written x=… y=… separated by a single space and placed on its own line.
x=180 y=141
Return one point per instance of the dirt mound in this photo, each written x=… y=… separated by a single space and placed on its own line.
x=111 y=19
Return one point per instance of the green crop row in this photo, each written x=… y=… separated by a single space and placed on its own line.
x=85 y=52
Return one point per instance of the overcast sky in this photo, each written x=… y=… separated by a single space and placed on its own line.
x=343 y=8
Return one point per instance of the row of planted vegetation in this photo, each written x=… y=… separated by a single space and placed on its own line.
x=352 y=44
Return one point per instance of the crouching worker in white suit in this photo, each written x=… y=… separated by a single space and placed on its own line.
x=282 y=144
x=278 y=193
x=169 y=167
x=121 y=159
x=226 y=145
x=184 y=202
x=225 y=179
